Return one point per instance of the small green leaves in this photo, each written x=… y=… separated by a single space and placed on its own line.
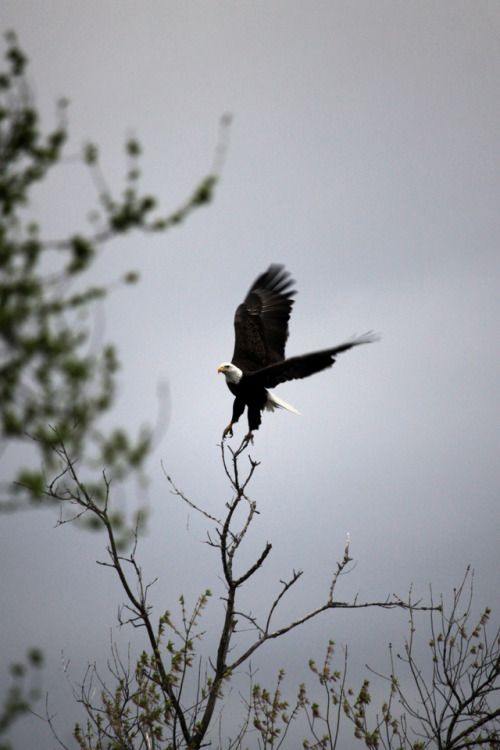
x=51 y=388
x=90 y=154
x=133 y=147
x=34 y=482
x=20 y=697
x=132 y=277
x=82 y=253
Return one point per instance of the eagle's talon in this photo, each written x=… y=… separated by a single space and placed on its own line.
x=228 y=432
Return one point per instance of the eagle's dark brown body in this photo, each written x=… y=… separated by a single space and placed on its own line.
x=258 y=362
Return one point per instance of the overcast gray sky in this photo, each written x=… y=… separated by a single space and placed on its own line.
x=364 y=154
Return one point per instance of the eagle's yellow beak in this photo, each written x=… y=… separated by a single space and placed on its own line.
x=221 y=368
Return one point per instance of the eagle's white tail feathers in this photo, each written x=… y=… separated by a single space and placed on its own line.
x=273 y=402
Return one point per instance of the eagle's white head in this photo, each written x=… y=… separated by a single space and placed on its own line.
x=233 y=374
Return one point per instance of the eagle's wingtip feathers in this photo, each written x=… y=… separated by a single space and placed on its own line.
x=370 y=337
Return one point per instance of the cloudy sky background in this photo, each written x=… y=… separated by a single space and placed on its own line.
x=364 y=154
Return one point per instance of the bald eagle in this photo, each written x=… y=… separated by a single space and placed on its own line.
x=258 y=363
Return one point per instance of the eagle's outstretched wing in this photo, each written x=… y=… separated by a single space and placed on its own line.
x=261 y=321
x=306 y=364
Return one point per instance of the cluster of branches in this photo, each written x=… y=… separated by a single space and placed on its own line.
x=457 y=701
x=53 y=388
x=450 y=702
x=174 y=695
x=155 y=704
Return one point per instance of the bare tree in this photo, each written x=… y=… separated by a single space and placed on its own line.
x=451 y=702
x=163 y=701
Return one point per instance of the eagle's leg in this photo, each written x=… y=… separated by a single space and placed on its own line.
x=254 y=415
x=238 y=409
